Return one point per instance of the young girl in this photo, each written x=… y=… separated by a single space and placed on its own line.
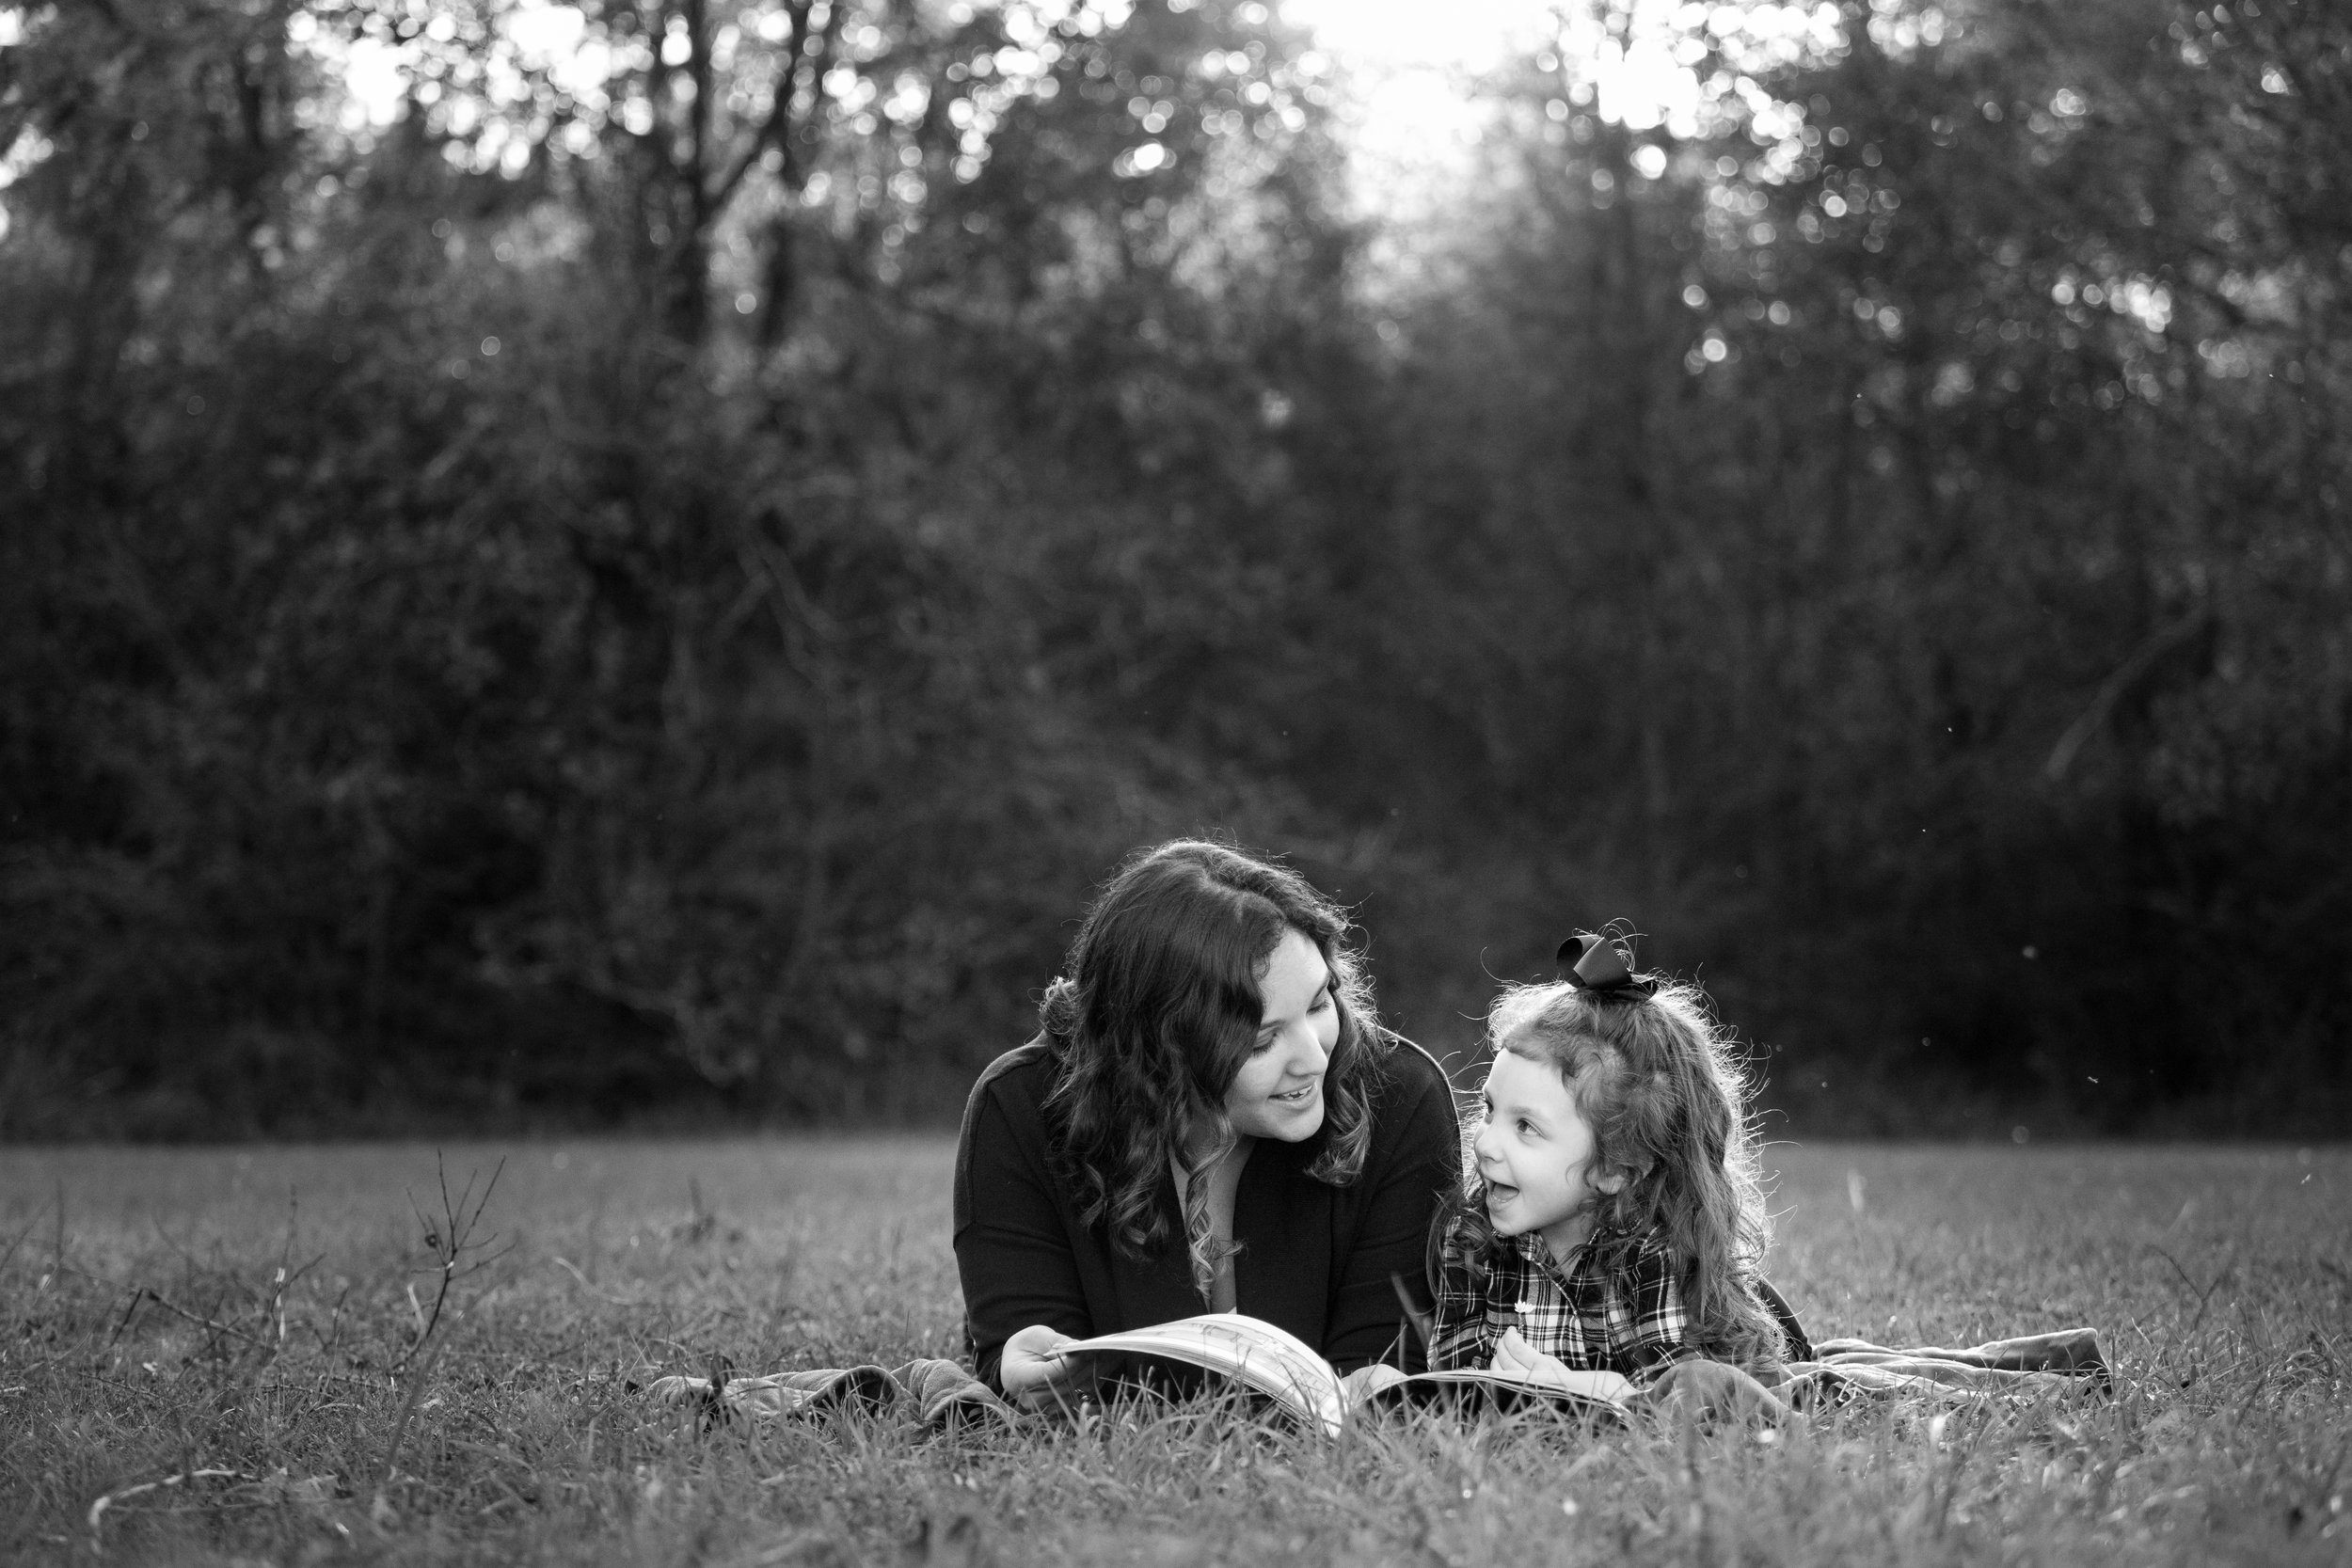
x=1614 y=1221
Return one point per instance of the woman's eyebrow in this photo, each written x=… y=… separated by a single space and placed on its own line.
x=1269 y=1023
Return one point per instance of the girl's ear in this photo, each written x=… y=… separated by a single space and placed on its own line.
x=1617 y=1178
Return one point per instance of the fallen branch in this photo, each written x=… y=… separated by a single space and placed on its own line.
x=145 y=1292
x=2113 y=689
x=98 y=1509
x=18 y=1241
x=276 y=1490
x=573 y=1269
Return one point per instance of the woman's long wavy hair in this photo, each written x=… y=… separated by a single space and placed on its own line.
x=1156 y=1012
x=1668 y=1101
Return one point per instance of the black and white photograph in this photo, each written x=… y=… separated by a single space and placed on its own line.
x=850 y=783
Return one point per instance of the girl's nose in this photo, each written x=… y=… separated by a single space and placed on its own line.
x=1479 y=1139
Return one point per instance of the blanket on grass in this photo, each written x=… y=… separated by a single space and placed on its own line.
x=2071 y=1358
x=940 y=1394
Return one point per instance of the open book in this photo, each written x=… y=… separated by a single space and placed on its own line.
x=1284 y=1368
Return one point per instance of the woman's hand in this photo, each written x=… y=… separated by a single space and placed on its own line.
x=1710 y=1390
x=1514 y=1357
x=1039 y=1376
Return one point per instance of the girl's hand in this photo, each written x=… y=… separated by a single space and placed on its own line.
x=1514 y=1357
x=1710 y=1390
x=1039 y=1376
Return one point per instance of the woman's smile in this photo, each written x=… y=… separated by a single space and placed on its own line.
x=1278 y=1090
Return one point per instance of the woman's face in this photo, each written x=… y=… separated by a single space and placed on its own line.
x=1278 y=1092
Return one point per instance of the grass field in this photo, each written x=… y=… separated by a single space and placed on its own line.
x=149 y=1335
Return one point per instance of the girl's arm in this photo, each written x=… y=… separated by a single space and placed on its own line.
x=1458 y=1333
x=1711 y=1390
x=1650 y=1339
x=1649 y=1329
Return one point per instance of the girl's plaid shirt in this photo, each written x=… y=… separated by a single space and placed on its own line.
x=1614 y=1304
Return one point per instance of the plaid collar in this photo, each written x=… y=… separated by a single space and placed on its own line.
x=1603 y=1237
x=1607 y=1304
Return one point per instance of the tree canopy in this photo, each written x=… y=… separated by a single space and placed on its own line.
x=655 y=583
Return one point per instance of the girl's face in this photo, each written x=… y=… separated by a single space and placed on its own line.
x=1534 y=1153
x=1278 y=1092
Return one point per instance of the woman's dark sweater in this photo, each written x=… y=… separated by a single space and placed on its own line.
x=1315 y=1259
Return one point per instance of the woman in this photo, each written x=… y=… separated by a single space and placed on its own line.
x=1210 y=1119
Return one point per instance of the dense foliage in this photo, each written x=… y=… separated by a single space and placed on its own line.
x=655 y=583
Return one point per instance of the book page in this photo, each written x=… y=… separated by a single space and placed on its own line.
x=1604 y=1386
x=1251 y=1351
x=1599 y=1388
x=1364 y=1382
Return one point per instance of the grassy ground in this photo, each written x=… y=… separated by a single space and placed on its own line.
x=146 y=1331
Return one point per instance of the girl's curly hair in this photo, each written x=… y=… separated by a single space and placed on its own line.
x=1158 y=1009
x=1668 y=1102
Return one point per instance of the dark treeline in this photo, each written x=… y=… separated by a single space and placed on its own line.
x=654 y=584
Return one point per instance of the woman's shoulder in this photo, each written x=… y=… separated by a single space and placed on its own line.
x=1026 y=1071
x=1407 y=1076
x=1017 y=1083
x=1413 y=1116
x=1013 y=1090
x=1407 y=1066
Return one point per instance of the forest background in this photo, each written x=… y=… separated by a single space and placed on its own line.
x=651 y=587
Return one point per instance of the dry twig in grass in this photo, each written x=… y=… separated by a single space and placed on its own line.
x=451 y=1239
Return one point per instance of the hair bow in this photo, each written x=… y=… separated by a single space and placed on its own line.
x=1598 y=965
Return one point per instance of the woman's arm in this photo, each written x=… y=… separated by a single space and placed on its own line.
x=1036 y=1374
x=1020 y=1280
x=1391 y=1239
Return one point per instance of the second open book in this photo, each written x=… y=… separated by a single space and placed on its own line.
x=1284 y=1368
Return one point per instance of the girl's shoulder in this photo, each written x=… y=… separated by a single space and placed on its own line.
x=1619 y=1248
x=1466 y=1251
x=1460 y=1233
x=1649 y=1240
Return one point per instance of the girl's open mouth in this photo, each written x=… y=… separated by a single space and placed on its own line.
x=1299 y=1096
